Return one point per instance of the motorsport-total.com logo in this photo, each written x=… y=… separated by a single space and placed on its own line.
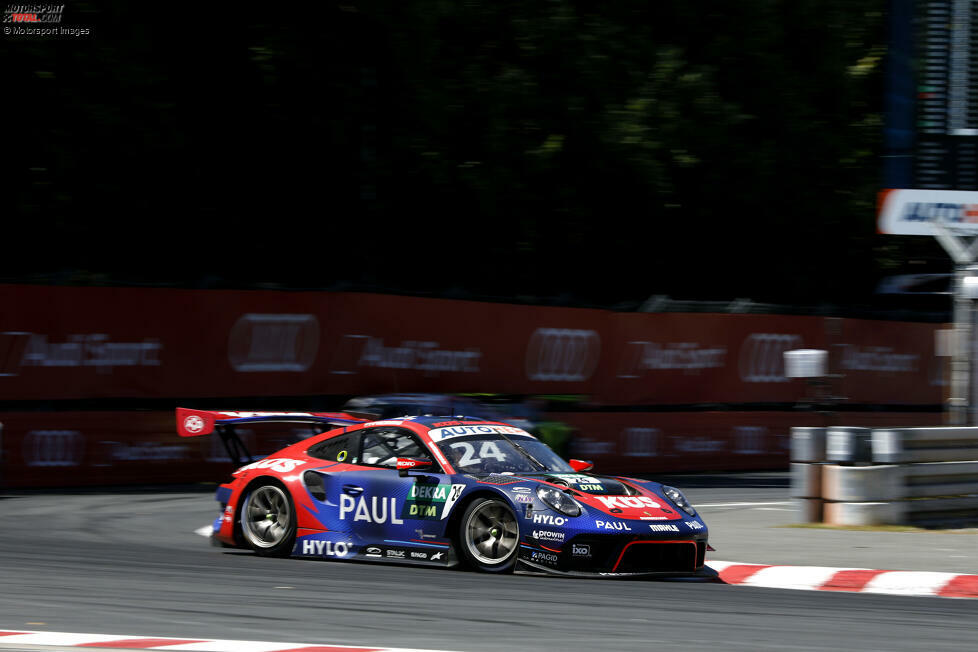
x=39 y=19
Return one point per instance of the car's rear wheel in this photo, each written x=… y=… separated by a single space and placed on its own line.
x=268 y=520
x=489 y=535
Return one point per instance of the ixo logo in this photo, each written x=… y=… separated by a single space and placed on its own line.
x=762 y=356
x=53 y=448
x=562 y=354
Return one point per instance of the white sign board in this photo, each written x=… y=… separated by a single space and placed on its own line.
x=915 y=212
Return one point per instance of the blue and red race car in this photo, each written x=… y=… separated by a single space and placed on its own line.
x=446 y=491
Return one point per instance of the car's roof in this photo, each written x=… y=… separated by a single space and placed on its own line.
x=444 y=420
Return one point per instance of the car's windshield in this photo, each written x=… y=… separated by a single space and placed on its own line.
x=492 y=453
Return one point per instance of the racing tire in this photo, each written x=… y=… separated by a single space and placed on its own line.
x=267 y=518
x=489 y=536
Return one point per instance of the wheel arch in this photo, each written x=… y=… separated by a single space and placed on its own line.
x=452 y=525
x=254 y=483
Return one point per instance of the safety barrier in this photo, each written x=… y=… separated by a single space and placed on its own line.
x=862 y=476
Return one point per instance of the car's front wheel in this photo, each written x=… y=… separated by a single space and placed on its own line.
x=268 y=521
x=489 y=535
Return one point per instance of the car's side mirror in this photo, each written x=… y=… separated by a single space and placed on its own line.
x=405 y=464
x=581 y=465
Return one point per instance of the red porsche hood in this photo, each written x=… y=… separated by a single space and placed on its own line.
x=613 y=497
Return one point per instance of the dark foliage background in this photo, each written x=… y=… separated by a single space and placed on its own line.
x=571 y=151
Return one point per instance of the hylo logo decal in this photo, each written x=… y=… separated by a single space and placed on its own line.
x=547 y=519
x=325 y=548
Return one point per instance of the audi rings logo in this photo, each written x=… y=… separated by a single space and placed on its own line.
x=562 y=354
x=261 y=342
x=193 y=423
x=762 y=356
x=53 y=448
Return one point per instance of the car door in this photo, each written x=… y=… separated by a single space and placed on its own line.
x=389 y=512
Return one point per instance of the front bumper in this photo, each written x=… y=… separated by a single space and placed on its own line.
x=620 y=555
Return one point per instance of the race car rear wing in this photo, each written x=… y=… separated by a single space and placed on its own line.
x=196 y=423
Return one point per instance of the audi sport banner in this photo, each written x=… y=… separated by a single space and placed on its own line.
x=56 y=449
x=59 y=449
x=71 y=343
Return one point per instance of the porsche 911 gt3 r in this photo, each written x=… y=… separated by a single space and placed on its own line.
x=447 y=491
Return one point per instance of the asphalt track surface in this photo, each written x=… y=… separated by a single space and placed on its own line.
x=125 y=562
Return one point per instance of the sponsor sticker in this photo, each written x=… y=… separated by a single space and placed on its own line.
x=325 y=548
x=523 y=498
x=548 y=535
x=280 y=464
x=548 y=519
x=431 y=501
x=376 y=509
x=439 y=434
x=694 y=525
x=581 y=481
x=613 y=525
x=663 y=527
x=544 y=557
x=580 y=550
x=373 y=551
x=628 y=502
x=394 y=553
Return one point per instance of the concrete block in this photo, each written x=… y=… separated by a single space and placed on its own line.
x=869 y=513
x=808 y=510
x=848 y=444
x=806 y=480
x=942 y=444
x=862 y=483
x=807 y=444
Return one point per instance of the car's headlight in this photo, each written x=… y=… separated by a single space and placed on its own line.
x=678 y=499
x=559 y=501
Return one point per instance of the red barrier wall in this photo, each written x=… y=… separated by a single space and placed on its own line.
x=94 y=343
x=56 y=449
x=64 y=343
